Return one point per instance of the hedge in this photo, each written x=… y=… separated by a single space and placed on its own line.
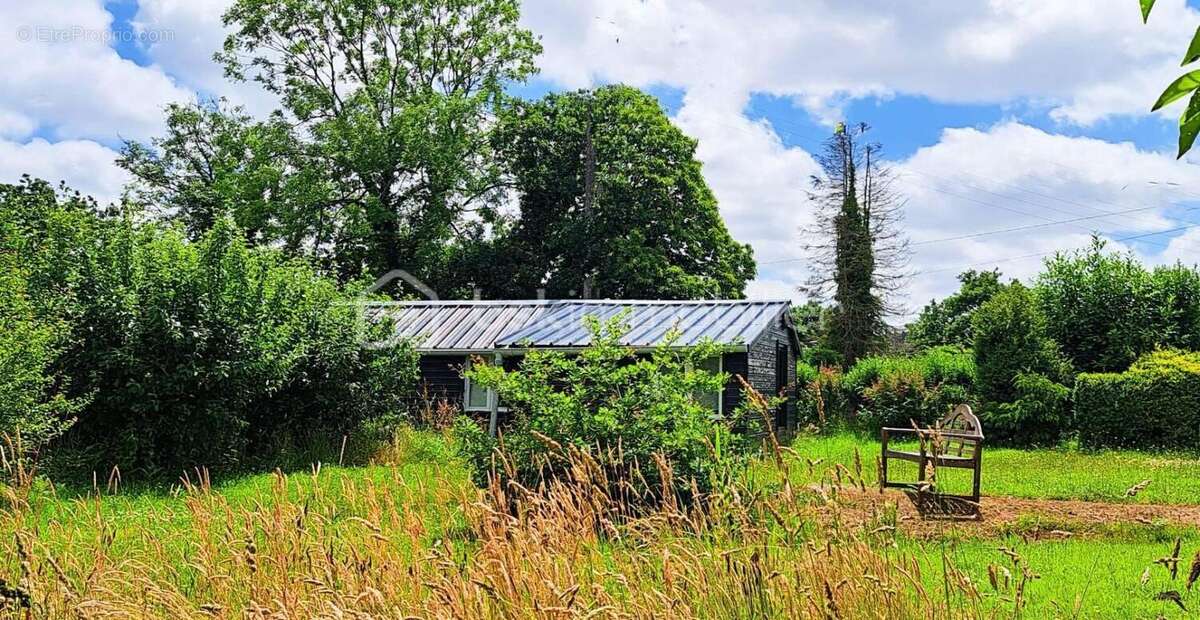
x=1154 y=404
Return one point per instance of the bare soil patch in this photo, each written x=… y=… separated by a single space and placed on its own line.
x=1038 y=518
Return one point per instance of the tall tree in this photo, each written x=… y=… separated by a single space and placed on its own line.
x=217 y=161
x=612 y=198
x=391 y=101
x=858 y=251
x=949 y=321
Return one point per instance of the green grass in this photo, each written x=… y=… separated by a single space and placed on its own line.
x=1094 y=577
x=1047 y=473
x=1102 y=577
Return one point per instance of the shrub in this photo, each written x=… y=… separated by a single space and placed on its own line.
x=820 y=398
x=1154 y=404
x=1105 y=309
x=626 y=408
x=1038 y=416
x=207 y=353
x=1010 y=339
x=896 y=391
x=32 y=403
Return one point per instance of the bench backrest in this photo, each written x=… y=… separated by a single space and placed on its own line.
x=961 y=420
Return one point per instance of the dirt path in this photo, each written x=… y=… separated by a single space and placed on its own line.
x=1038 y=518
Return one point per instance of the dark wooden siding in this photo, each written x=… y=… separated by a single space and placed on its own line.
x=441 y=377
x=735 y=365
x=761 y=363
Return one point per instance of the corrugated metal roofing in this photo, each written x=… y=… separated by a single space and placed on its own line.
x=488 y=325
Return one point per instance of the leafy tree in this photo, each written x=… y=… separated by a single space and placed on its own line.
x=216 y=161
x=1105 y=309
x=382 y=149
x=1189 y=122
x=611 y=198
x=857 y=249
x=1011 y=338
x=948 y=322
x=1020 y=370
x=33 y=400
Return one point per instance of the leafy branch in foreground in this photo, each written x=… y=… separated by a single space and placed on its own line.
x=1189 y=123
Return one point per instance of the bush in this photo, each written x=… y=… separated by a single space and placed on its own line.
x=192 y=354
x=1105 y=309
x=1154 y=404
x=32 y=403
x=820 y=398
x=897 y=391
x=1038 y=416
x=1010 y=340
x=1021 y=372
x=625 y=408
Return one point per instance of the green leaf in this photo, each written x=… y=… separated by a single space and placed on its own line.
x=1193 y=53
x=1189 y=124
x=1185 y=84
x=1146 y=6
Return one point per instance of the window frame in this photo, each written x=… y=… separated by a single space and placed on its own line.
x=491 y=393
x=720 y=412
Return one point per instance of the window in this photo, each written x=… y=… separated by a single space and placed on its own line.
x=476 y=397
x=712 y=400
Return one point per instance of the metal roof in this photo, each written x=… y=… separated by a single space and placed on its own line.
x=489 y=325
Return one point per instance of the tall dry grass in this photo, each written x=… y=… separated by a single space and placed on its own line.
x=366 y=548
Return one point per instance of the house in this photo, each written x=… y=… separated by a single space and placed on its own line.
x=761 y=340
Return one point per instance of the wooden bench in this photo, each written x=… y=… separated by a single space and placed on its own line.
x=956 y=441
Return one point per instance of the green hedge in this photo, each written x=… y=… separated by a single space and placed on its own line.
x=1154 y=404
x=896 y=390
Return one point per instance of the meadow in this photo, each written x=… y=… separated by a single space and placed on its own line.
x=410 y=536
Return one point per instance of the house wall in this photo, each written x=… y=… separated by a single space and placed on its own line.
x=735 y=365
x=761 y=363
x=441 y=375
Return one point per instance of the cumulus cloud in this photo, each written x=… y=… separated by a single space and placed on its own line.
x=63 y=77
x=1025 y=181
x=198 y=34
x=1085 y=59
x=83 y=164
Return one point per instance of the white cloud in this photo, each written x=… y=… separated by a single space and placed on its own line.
x=198 y=33
x=85 y=166
x=62 y=75
x=1013 y=175
x=1086 y=59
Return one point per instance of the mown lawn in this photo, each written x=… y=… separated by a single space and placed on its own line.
x=1096 y=577
x=1039 y=474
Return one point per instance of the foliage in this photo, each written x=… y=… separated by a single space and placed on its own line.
x=1189 y=122
x=858 y=250
x=625 y=407
x=205 y=353
x=1038 y=415
x=1011 y=339
x=1154 y=404
x=948 y=322
x=33 y=405
x=578 y=161
x=820 y=399
x=216 y=161
x=1106 y=309
x=381 y=153
x=898 y=390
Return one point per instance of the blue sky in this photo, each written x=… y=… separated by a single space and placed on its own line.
x=994 y=114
